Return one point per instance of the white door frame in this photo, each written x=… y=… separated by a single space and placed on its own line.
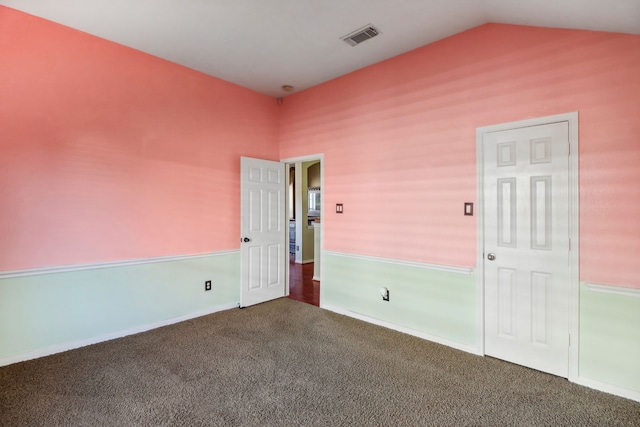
x=287 y=162
x=574 y=293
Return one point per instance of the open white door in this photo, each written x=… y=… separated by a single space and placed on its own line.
x=262 y=224
x=526 y=246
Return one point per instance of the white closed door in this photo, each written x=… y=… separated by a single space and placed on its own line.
x=526 y=246
x=263 y=232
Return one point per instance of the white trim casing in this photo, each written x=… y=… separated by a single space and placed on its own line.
x=574 y=255
x=613 y=289
x=111 y=264
x=437 y=267
x=480 y=241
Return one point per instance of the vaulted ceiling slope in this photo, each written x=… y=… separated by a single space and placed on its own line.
x=264 y=44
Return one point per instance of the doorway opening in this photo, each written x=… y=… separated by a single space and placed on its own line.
x=304 y=217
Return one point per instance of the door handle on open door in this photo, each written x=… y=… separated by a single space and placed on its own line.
x=491 y=257
x=246 y=239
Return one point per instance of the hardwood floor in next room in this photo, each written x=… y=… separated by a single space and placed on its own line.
x=301 y=285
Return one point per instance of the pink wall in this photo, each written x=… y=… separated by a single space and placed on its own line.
x=111 y=154
x=399 y=141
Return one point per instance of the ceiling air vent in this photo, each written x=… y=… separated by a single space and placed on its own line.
x=361 y=35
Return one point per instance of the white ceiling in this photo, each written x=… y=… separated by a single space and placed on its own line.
x=264 y=44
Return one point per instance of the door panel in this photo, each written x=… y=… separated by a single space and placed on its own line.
x=526 y=229
x=263 y=235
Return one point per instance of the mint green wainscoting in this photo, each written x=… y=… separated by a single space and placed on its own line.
x=422 y=298
x=45 y=311
x=610 y=335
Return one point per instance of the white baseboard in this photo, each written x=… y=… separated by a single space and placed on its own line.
x=608 y=388
x=405 y=330
x=580 y=380
x=98 y=339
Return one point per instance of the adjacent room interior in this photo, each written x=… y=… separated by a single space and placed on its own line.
x=304 y=214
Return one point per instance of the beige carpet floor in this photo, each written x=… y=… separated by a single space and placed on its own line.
x=285 y=363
